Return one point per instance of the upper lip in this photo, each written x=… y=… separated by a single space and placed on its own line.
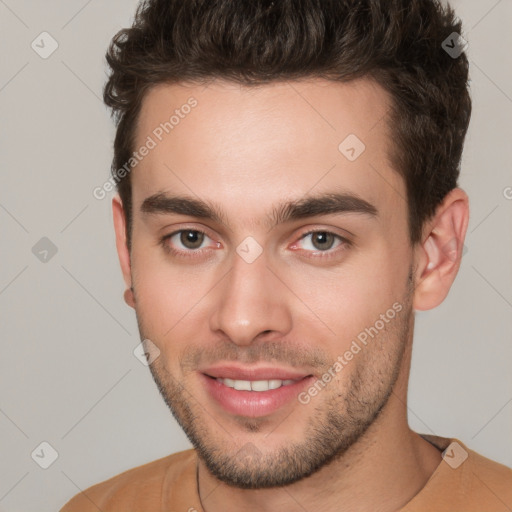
x=245 y=373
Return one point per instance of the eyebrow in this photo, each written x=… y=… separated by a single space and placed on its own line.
x=309 y=206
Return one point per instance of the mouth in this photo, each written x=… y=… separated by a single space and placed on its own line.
x=253 y=392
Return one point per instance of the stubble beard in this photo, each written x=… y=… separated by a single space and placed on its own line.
x=335 y=423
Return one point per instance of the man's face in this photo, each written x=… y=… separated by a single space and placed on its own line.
x=254 y=296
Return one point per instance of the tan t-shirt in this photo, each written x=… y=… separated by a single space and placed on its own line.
x=464 y=481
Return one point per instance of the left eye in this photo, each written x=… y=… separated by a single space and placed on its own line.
x=321 y=240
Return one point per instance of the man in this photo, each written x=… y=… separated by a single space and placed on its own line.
x=287 y=175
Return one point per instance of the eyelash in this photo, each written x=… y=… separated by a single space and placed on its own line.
x=197 y=253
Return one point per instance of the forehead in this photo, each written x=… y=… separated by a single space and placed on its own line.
x=312 y=110
x=250 y=145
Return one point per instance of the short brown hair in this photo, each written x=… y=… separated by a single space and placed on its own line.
x=398 y=43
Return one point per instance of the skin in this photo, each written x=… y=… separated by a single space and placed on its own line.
x=248 y=150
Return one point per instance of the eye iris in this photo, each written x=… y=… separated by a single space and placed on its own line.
x=322 y=237
x=191 y=239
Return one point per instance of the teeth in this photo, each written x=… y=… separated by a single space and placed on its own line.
x=242 y=385
x=255 y=385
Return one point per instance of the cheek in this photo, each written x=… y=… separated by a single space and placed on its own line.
x=350 y=299
x=167 y=294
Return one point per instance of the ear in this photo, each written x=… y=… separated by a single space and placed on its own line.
x=438 y=257
x=122 y=248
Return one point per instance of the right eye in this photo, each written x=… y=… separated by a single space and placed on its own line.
x=185 y=242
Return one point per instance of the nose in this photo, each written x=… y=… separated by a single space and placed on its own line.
x=251 y=302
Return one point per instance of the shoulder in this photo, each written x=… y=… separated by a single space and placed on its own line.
x=473 y=480
x=490 y=479
x=139 y=485
x=464 y=480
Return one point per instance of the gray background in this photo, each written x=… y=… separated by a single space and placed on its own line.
x=69 y=376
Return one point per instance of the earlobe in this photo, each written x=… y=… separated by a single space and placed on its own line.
x=129 y=298
x=122 y=248
x=439 y=255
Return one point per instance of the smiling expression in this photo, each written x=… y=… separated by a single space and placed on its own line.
x=261 y=248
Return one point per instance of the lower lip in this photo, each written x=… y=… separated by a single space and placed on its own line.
x=253 y=404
